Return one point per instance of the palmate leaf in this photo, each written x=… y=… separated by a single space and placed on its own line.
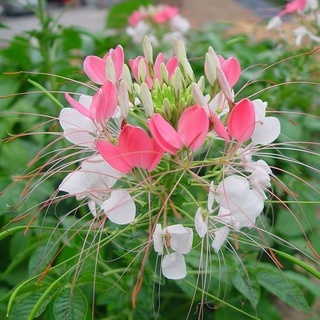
x=276 y=283
x=70 y=305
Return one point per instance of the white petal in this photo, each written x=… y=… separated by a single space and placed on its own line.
x=248 y=212
x=260 y=109
x=120 y=207
x=220 y=237
x=232 y=191
x=210 y=198
x=157 y=239
x=75 y=183
x=180 y=238
x=266 y=131
x=77 y=128
x=173 y=266
x=105 y=176
x=200 y=225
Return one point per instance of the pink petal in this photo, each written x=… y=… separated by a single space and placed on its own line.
x=104 y=102
x=117 y=56
x=218 y=127
x=164 y=134
x=95 y=69
x=193 y=127
x=156 y=66
x=171 y=66
x=112 y=155
x=136 y=147
x=78 y=106
x=241 y=121
x=232 y=70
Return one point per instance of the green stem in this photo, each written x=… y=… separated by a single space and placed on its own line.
x=47 y=93
x=298 y=262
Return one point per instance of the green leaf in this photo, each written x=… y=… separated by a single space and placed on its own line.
x=276 y=283
x=249 y=287
x=70 y=305
x=42 y=256
x=22 y=309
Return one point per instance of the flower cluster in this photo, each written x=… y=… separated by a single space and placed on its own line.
x=307 y=12
x=161 y=23
x=152 y=133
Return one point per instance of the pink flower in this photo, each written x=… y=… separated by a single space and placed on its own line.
x=103 y=105
x=135 y=149
x=167 y=13
x=109 y=67
x=135 y=18
x=192 y=130
x=241 y=121
x=295 y=5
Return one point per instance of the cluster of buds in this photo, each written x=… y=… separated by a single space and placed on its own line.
x=161 y=23
x=153 y=132
x=307 y=12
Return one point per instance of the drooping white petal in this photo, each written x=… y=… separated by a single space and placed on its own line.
x=225 y=216
x=157 y=239
x=173 y=266
x=220 y=237
x=180 y=238
x=249 y=210
x=76 y=184
x=232 y=191
x=119 y=208
x=103 y=173
x=199 y=224
x=210 y=198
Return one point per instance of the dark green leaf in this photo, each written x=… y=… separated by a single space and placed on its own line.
x=70 y=305
x=276 y=283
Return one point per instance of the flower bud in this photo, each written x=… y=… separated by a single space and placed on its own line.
x=147 y=50
x=210 y=69
x=110 y=70
x=146 y=99
x=126 y=76
x=123 y=99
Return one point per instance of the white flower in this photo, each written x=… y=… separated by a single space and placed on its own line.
x=240 y=205
x=274 y=23
x=267 y=129
x=180 y=24
x=179 y=239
